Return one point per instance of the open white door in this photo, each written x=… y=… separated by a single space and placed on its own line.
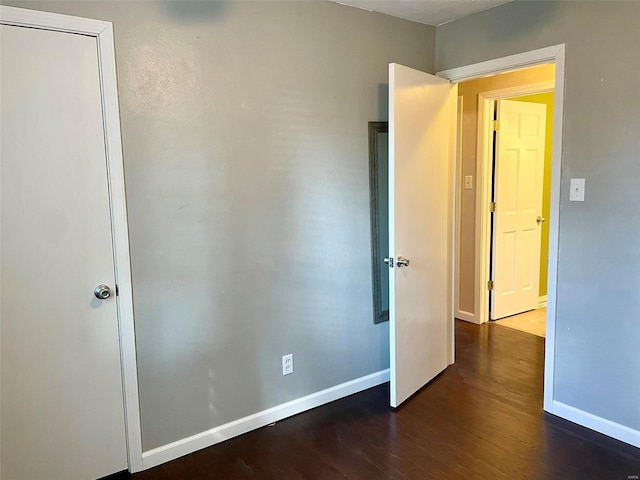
x=518 y=187
x=422 y=113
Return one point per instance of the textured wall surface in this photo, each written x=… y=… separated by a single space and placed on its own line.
x=246 y=158
x=598 y=306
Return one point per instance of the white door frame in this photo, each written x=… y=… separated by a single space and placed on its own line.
x=485 y=180
x=103 y=33
x=554 y=54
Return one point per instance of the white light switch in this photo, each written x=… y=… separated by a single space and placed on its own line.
x=468 y=182
x=577 y=190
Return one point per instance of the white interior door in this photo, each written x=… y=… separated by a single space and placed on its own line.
x=422 y=112
x=61 y=391
x=518 y=184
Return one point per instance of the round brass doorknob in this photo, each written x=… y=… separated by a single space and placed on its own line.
x=102 y=291
x=540 y=219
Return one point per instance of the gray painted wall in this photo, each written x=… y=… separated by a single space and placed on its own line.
x=245 y=144
x=598 y=316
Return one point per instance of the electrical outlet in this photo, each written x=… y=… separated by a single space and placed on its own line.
x=287 y=364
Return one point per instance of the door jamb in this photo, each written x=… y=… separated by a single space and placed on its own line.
x=554 y=54
x=454 y=202
x=483 y=196
x=103 y=33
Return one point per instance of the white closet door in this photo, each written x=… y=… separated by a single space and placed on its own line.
x=61 y=404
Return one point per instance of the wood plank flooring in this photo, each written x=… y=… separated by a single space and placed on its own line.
x=481 y=419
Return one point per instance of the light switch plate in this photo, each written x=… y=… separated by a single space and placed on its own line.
x=576 y=188
x=468 y=182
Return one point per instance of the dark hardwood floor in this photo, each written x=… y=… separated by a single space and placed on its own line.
x=481 y=419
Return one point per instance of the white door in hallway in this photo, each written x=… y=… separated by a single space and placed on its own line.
x=518 y=184
x=422 y=119
x=61 y=409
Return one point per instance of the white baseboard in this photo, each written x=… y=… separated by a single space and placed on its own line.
x=599 y=424
x=542 y=301
x=466 y=316
x=219 y=434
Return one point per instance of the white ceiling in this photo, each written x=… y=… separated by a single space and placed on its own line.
x=429 y=12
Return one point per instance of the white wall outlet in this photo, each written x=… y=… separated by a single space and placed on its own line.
x=576 y=190
x=468 y=182
x=287 y=364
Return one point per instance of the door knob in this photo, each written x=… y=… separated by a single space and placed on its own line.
x=102 y=291
x=402 y=262
x=540 y=220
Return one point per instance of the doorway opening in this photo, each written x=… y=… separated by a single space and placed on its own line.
x=504 y=193
x=515 y=140
x=476 y=309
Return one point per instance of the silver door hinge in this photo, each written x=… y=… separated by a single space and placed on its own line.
x=490 y=285
x=495 y=125
x=492 y=206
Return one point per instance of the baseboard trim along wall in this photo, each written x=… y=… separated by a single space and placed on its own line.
x=219 y=434
x=542 y=301
x=599 y=424
x=466 y=316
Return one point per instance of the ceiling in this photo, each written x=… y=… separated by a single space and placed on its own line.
x=429 y=12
